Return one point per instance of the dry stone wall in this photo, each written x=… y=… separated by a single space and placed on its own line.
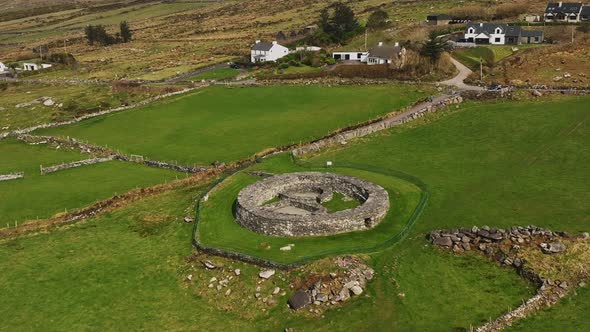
x=12 y=176
x=251 y=214
x=55 y=168
x=376 y=126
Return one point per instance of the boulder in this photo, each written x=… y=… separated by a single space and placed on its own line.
x=266 y=274
x=209 y=265
x=321 y=297
x=276 y=291
x=552 y=248
x=299 y=300
x=49 y=102
x=536 y=93
x=285 y=248
x=466 y=246
x=188 y=220
x=443 y=242
x=237 y=272
x=356 y=290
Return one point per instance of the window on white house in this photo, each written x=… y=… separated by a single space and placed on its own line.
x=497 y=40
x=498 y=31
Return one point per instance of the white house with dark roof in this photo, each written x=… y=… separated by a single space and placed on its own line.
x=379 y=54
x=501 y=34
x=3 y=67
x=265 y=51
x=563 y=12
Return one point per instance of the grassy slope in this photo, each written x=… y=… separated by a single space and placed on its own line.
x=571 y=314
x=229 y=124
x=216 y=74
x=500 y=165
x=44 y=195
x=126 y=270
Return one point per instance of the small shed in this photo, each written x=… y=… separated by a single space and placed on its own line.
x=438 y=19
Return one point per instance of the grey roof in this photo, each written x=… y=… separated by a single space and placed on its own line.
x=586 y=11
x=384 y=51
x=438 y=17
x=565 y=8
x=262 y=46
x=532 y=33
x=489 y=28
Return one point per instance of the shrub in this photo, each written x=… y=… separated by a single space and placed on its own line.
x=283 y=66
x=378 y=20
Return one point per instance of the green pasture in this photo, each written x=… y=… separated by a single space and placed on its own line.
x=228 y=124
x=490 y=55
x=216 y=74
x=218 y=229
x=41 y=196
x=492 y=163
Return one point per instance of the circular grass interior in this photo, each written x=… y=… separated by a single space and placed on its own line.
x=217 y=227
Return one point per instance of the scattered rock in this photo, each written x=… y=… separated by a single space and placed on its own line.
x=299 y=300
x=266 y=274
x=188 y=220
x=443 y=242
x=237 y=272
x=536 y=93
x=189 y=277
x=227 y=292
x=552 y=248
x=209 y=265
x=276 y=291
x=563 y=285
x=49 y=102
x=321 y=298
x=285 y=248
x=356 y=290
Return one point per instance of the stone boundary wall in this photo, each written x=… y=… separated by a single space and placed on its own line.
x=377 y=125
x=252 y=215
x=93 y=115
x=85 y=162
x=489 y=240
x=12 y=176
x=104 y=152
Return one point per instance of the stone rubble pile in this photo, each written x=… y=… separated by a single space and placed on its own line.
x=336 y=287
x=12 y=176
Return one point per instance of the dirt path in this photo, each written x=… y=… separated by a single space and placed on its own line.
x=458 y=81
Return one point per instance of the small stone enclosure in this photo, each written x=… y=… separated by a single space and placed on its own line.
x=290 y=204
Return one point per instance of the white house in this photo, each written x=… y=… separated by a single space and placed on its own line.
x=501 y=34
x=351 y=56
x=563 y=12
x=265 y=51
x=3 y=67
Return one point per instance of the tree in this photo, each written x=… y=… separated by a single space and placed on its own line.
x=125 y=32
x=378 y=20
x=340 y=25
x=90 y=34
x=433 y=48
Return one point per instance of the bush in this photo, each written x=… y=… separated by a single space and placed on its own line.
x=378 y=20
x=62 y=58
x=283 y=66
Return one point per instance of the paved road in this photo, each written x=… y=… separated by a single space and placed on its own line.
x=458 y=81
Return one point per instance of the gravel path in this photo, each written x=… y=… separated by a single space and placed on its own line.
x=458 y=81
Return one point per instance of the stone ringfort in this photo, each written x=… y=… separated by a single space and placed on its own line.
x=291 y=204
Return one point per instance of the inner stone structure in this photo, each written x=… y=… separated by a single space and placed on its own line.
x=291 y=204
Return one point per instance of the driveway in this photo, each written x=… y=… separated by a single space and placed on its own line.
x=458 y=81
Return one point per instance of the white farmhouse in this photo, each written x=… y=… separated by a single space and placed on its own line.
x=265 y=51
x=3 y=67
x=501 y=34
x=351 y=56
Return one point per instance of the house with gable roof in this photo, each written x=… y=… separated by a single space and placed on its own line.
x=501 y=34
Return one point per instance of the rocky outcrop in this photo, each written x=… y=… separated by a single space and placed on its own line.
x=336 y=287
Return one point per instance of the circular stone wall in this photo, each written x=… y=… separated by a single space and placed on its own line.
x=290 y=204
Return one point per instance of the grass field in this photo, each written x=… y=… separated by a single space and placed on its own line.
x=500 y=164
x=216 y=74
x=228 y=124
x=41 y=196
x=218 y=228
x=489 y=54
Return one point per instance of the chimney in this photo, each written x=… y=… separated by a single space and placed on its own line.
x=396 y=44
x=481 y=24
x=380 y=43
x=257 y=41
x=274 y=42
x=560 y=3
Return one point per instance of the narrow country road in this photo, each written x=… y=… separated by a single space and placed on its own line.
x=458 y=81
